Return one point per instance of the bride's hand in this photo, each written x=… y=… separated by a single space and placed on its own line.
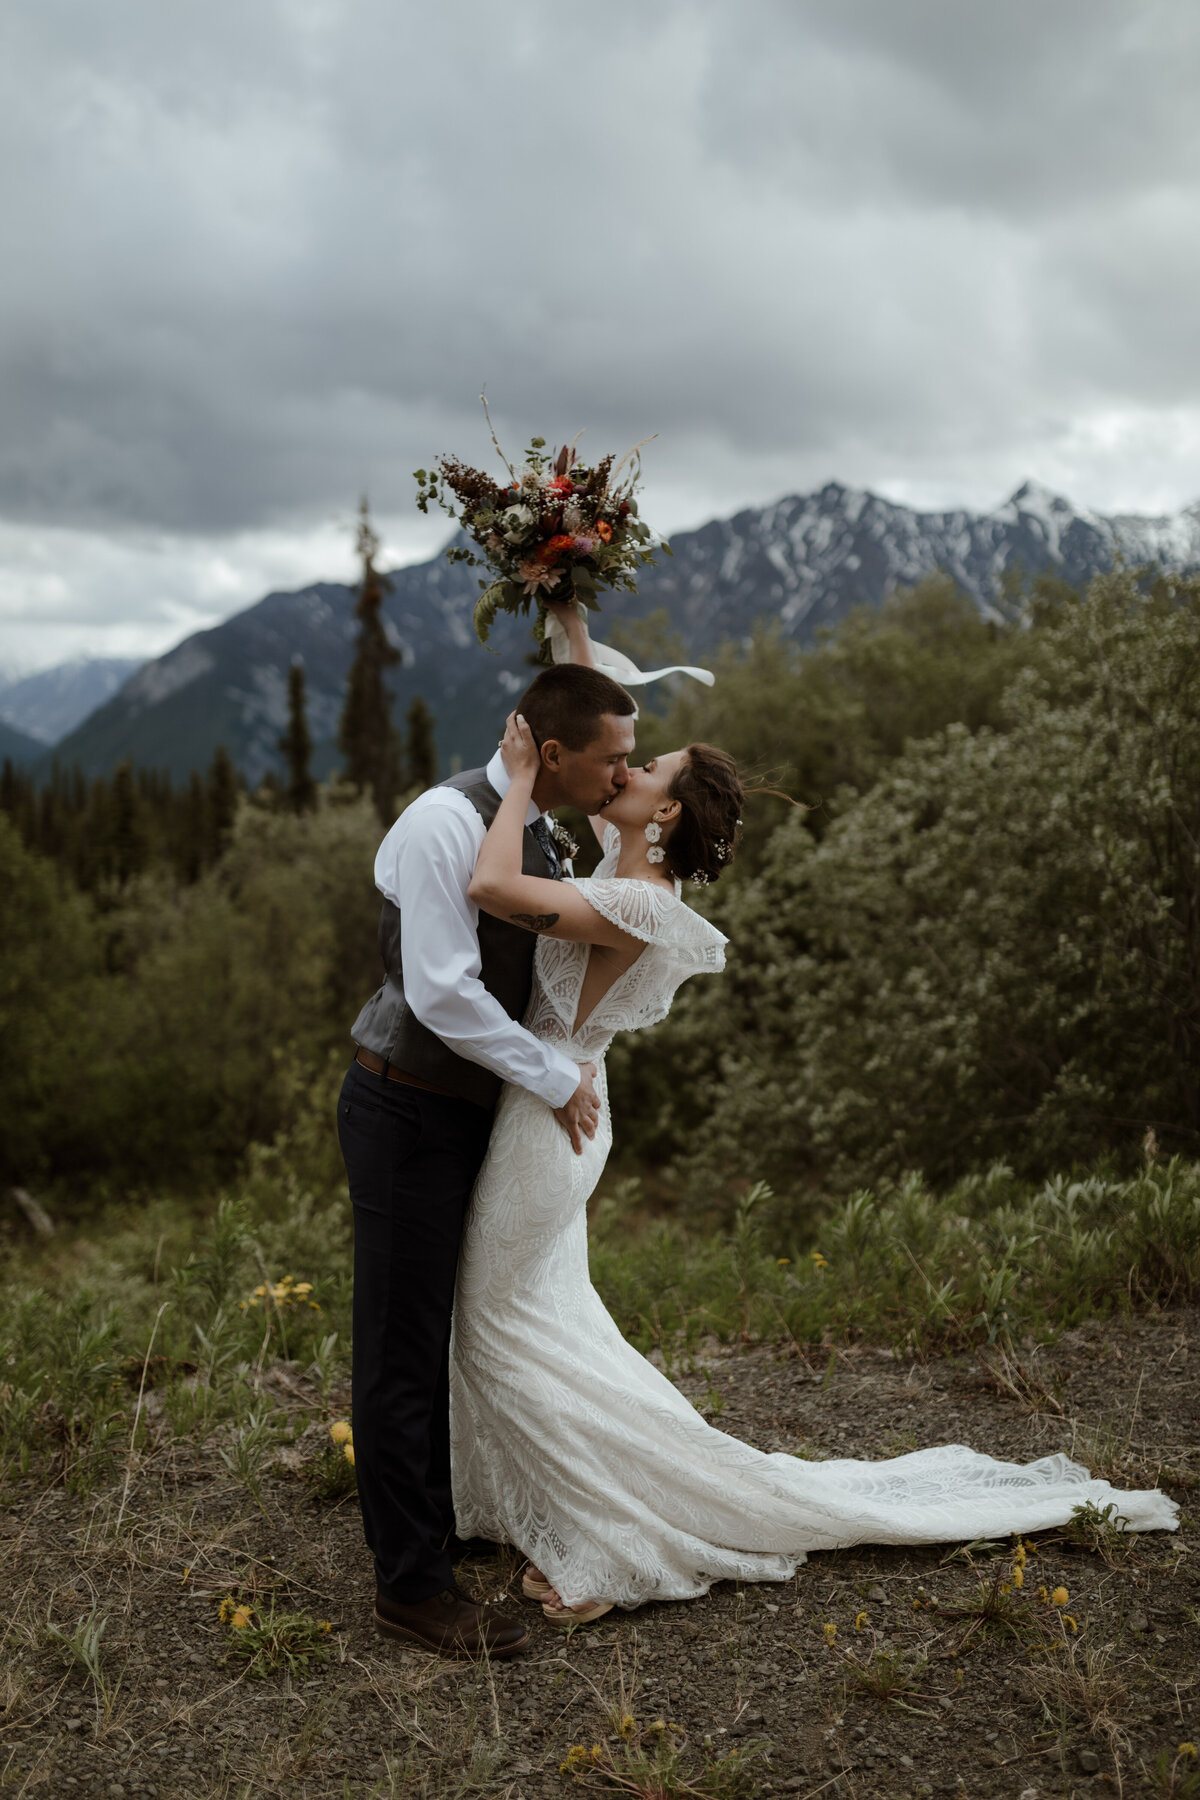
x=522 y=757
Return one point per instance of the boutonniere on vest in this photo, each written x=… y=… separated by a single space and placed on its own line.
x=562 y=837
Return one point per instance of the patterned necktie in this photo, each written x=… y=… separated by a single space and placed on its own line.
x=549 y=848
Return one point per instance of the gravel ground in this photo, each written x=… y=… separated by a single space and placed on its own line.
x=913 y=1693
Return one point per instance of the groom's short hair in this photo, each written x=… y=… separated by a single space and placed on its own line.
x=568 y=702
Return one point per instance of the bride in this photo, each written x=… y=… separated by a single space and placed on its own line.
x=565 y=1441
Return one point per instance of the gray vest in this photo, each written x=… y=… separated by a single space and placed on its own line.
x=387 y=1024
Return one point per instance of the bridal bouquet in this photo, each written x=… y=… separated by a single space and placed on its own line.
x=558 y=528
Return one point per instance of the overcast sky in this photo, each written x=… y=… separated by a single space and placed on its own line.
x=260 y=255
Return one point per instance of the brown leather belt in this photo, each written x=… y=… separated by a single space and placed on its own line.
x=378 y=1066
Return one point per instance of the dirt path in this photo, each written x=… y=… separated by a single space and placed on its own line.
x=871 y=1673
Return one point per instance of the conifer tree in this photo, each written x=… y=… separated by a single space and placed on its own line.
x=420 y=754
x=367 y=736
x=127 y=842
x=296 y=744
x=222 y=795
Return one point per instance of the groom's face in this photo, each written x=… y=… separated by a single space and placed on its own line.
x=589 y=777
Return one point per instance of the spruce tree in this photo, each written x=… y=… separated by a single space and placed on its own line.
x=419 y=753
x=127 y=840
x=296 y=744
x=222 y=786
x=366 y=736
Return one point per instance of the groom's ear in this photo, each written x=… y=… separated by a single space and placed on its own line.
x=551 y=755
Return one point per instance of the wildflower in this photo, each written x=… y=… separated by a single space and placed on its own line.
x=659 y=1725
x=575 y=1758
x=227 y=1609
x=326 y=1625
x=1187 y=1749
x=304 y=1287
x=583 y=545
x=819 y=1261
x=341 y=1431
x=628 y=1725
x=240 y=1618
x=348 y=1453
x=859 y=1621
x=1068 y=1620
x=830 y=1632
x=597 y=1753
x=1018 y=1576
x=604 y=530
x=1006 y=1587
x=559 y=542
x=1043 y=1595
x=1059 y=1597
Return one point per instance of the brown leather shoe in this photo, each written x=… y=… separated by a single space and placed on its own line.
x=451 y=1625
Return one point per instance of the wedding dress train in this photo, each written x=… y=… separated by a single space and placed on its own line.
x=570 y=1445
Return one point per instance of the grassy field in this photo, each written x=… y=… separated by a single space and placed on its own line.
x=169 y=1376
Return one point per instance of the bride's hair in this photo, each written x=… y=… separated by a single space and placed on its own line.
x=704 y=836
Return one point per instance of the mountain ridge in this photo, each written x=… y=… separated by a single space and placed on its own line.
x=804 y=560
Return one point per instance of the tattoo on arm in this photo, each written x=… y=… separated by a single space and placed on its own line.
x=535 y=921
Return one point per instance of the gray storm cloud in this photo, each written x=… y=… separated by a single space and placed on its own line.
x=262 y=257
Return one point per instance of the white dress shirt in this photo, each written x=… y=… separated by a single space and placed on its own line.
x=424 y=866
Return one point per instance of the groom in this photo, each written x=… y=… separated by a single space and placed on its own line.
x=434 y=1046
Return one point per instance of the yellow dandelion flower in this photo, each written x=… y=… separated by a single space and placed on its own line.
x=1068 y=1620
x=1059 y=1597
x=1043 y=1595
x=325 y=1625
x=628 y=1725
x=819 y=1261
x=348 y=1453
x=782 y=1261
x=341 y=1431
x=1018 y=1577
x=240 y=1618
x=830 y=1632
x=860 y=1620
x=313 y=1307
x=1186 y=1749
x=226 y=1609
x=304 y=1287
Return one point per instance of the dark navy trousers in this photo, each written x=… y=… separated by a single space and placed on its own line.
x=411 y=1157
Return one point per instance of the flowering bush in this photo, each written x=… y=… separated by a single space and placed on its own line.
x=558 y=527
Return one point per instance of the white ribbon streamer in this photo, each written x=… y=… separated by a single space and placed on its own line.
x=616 y=664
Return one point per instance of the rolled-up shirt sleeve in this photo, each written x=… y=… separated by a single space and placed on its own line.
x=424 y=865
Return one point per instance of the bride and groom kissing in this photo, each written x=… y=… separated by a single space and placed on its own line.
x=493 y=1396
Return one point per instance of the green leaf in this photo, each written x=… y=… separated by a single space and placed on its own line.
x=421 y=476
x=666 y=548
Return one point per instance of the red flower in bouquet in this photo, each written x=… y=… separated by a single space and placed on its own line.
x=604 y=530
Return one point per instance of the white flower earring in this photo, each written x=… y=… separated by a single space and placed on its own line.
x=656 y=853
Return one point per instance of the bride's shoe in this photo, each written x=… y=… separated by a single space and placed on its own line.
x=534 y=1585
x=582 y=1614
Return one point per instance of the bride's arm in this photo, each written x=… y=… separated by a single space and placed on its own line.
x=553 y=908
x=579 y=642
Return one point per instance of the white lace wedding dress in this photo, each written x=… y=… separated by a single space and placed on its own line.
x=571 y=1446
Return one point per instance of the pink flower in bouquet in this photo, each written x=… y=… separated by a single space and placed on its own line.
x=536 y=576
x=584 y=545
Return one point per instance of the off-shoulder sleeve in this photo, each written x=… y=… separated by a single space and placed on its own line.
x=651 y=913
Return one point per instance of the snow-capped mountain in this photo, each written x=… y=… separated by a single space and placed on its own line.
x=805 y=561
x=52 y=702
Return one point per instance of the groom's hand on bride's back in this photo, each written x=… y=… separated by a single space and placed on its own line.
x=581 y=1114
